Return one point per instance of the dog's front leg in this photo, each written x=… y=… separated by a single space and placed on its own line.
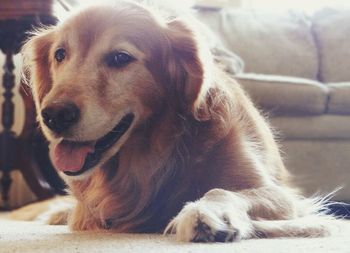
x=225 y=216
x=82 y=218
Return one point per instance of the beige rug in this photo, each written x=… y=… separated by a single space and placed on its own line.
x=22 y=237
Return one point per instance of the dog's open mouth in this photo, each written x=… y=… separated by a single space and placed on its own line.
x=74 y=158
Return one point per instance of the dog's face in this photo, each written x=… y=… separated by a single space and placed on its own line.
x=103 y=72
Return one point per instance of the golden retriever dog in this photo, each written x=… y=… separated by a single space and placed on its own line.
x=150 y=135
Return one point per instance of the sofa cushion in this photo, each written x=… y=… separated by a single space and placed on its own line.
x=285 y=95
x=332 y=33
x=268 y=43
x=228 y=60
x=312 y=127
x=339 y=98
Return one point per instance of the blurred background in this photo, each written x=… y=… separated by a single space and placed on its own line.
x=291 y=56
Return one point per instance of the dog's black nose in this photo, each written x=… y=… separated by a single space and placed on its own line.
x=61 y=116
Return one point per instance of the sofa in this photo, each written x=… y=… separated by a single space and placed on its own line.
x=297 y=71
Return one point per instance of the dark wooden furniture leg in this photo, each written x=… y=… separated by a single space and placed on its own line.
x=7 y=137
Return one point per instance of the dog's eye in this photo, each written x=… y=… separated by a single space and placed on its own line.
x=60 y=54
x=119 y=59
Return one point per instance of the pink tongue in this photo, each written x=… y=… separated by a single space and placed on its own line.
x=69 y=156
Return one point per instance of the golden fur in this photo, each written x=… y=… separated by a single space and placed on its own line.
x=197 y=138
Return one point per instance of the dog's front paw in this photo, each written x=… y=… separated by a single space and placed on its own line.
x=213 y=218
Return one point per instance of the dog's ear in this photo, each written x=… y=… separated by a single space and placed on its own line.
x=36 y=63
x=190 y=69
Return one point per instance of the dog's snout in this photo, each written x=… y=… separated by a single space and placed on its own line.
x=60 y=117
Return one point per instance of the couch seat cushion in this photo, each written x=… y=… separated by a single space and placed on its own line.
x=285 y=95
x=339 y=98
x=312 y=127
x=268 y=43
x=332 y=33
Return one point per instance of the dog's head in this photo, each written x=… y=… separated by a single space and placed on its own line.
x=104 y=71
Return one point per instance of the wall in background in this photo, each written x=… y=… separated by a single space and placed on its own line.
x=220 y=3
x=308 y=6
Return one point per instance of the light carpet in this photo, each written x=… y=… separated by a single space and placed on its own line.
x=23 y=237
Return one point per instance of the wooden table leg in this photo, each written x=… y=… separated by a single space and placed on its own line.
x=7 y=137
